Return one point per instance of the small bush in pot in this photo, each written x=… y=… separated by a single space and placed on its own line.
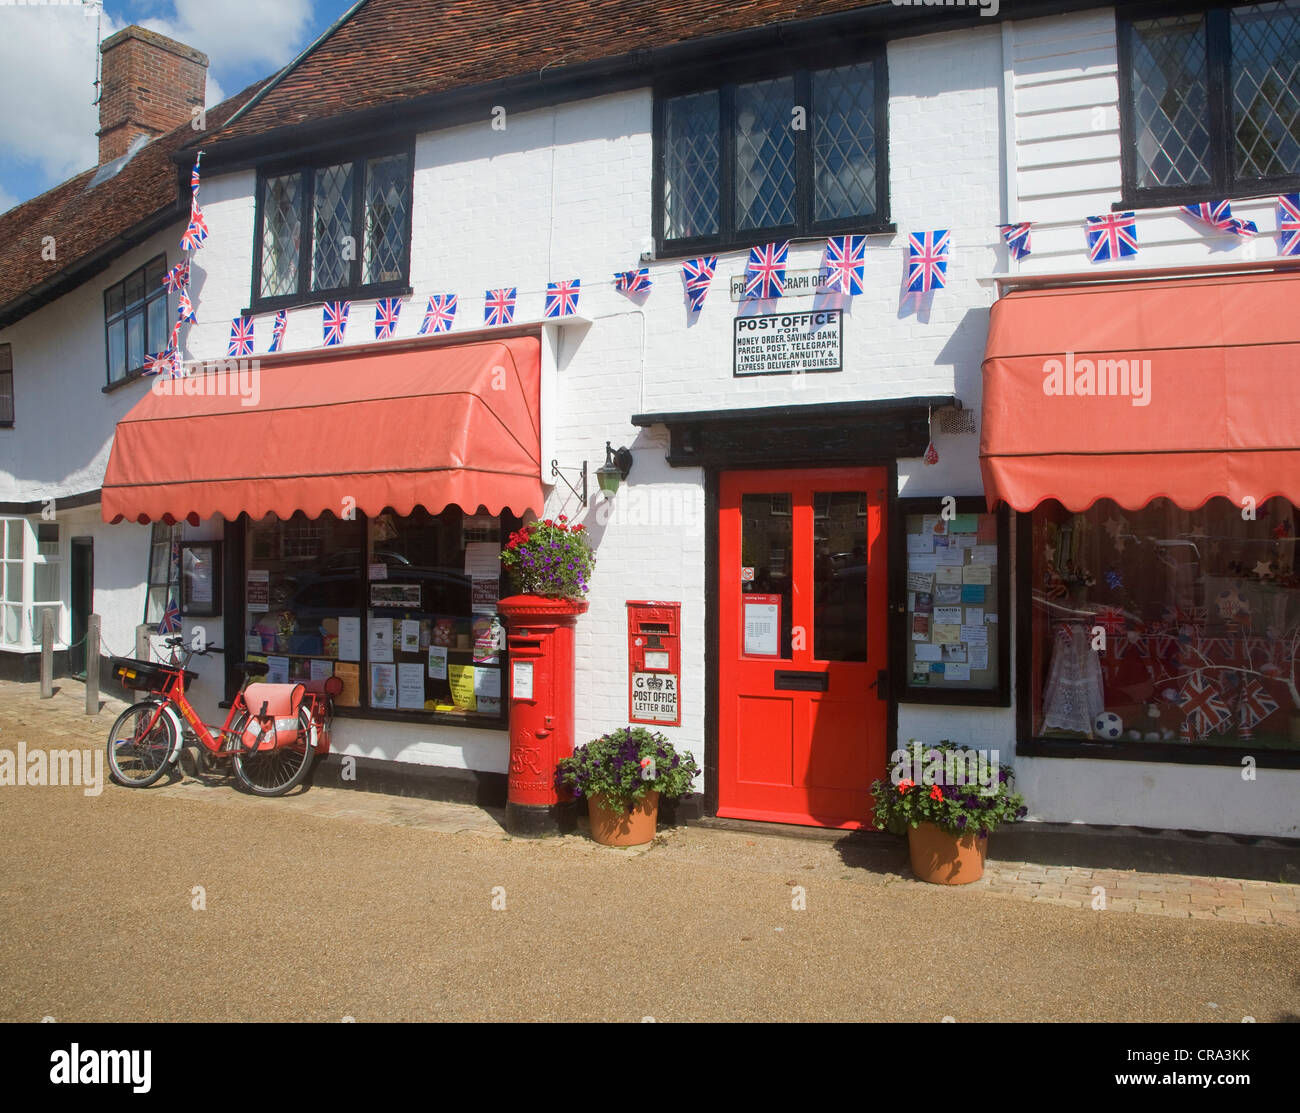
x=623 y=774
x=946 y=798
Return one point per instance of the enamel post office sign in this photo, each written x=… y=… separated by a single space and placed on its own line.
x=789 y=343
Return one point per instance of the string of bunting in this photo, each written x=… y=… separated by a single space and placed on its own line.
x=1109 y=237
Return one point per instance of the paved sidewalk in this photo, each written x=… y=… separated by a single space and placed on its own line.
x=1180 y=896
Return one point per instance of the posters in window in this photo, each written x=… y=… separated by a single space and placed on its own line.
x=383 y=686
x=410 y=687
x=277 y=670
x=437 y=662
x=461 y=680
x=257 y=590
x=349 y=638
x=321 y=670
x=381 y=639
x=411 y=636
x=350 y=674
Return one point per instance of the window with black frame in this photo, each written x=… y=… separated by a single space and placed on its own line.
x=1211 y=102
x=136 y=319
x=795 y=153
x=334 y=228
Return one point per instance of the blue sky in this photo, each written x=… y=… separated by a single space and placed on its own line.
x=47 y=69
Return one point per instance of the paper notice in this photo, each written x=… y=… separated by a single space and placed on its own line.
x=461 y=679
x=975 y=616
x=253 y=643
x=383 y=687
x=321 y=670
x=350 y=674
x=987 y=530
x=954 y=652
x=972 y=593
x=948 y=615
x=487 y=683
x=920 y=627
x=378 y=571
x=965 y=540
x=978 y=633
x=349 y=639
x=977 y=656
x=922 y=563
x=437 y=662
x=953 y=555
x=963 y=523
x=984 y=554
x=956 y=672
x=977 y=574
x=948 y=575
x=483 y=560
x=257 y=590
x=929 y=652
x=947 y=595
x=381 y=642
x=411 y=638
x=920 y=581
x=920 y=543
x=932 y=523
x=522 y=680
x=946 y=634
x=410 y=687
x=277 y=670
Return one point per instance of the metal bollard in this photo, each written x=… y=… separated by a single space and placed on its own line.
x=47 y=654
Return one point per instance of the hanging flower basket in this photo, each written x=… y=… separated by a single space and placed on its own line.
x=550 y=558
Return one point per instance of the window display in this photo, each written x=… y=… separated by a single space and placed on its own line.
x=1166 y=626
x=402 y=609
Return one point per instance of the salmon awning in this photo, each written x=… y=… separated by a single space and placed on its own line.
x=1217 y=357
x=431 y=427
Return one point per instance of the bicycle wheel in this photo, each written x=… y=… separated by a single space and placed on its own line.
x=275 y=772
x=138 y=751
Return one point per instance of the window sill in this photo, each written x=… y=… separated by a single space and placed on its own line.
x=1172 y=199
x=426 y=718
x=673 y=250
x=125 y=380
x=1168 y=753
x=399 y=289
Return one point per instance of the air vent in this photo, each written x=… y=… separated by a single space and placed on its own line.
x=952 y=422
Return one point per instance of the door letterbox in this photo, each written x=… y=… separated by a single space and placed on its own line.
x=654 y=655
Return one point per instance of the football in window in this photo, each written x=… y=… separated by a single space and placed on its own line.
x=798 y=153
x=1166 y=626
x=1213 y=102
x=341 y=227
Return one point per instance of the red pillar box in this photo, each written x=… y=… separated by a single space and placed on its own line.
x=541 y=692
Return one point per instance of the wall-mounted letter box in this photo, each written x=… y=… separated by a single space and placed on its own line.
x=654 y=654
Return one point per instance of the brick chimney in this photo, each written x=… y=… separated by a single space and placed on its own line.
x=148 y=85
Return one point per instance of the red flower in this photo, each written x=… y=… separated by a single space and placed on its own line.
x=903 y=786
x=578 y=528
x=548 y=522
x=936 y=793
x=562 y=518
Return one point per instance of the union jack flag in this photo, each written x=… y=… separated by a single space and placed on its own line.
x=335 y=322
x=1288 y=223
x=1219 y=215
x=386 y=312
x=439 y=315
x=698 y=274
x=178 y=278
x=241 y=337
x=1112 y=620
x=159 y=363
x=927 y=265
x=499 y=308
x=562 y=298
x=1017 y=237
x=1257 y=704
x=171 y=619
x=197 y=230
x=185 y=308
x=846 y=257
x=194 y=175
x=1112 y=236
x=277 y=330
x=1202 y=705
x=632 y=282
x=765 y=272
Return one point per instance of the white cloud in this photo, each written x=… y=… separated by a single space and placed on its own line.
x=47 y=75
x=239 y=32
x=7 y=200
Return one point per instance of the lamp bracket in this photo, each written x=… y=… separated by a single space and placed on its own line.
x=558 y=474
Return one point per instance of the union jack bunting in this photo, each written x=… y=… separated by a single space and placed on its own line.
x=1219 y=215
x=197 y=230
x=1203 y=706
x=241 y=337
x=171 y=619
x=185 y=308
x=1256 y=705
x=159 y=363
x=1112 y=236
x=1017 y=238
x=499 y=308
x=927 y=261
x=698 y=274
x=194 y=175
x=178 y=278
x=1112 y=620
x=386 y=313
x=765 y=271
x=846 y=259
x=334 y=321
x=277 y=330
x=1288 y=224
x=632 y=282
x=439 y=315
x=562 y=298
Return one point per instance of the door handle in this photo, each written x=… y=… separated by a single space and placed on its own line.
x=881 y=683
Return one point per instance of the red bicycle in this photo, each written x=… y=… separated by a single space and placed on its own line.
x=270 y=748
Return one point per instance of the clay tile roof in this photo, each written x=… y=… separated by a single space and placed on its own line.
x=87 y=222
x=394 y=50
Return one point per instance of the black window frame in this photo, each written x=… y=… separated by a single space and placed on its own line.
x=7 y=376
x=723 y=79
x=1222 y=185
x=127 y=311
x=355 y=290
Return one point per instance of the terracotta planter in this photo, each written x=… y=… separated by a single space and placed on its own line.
x=634 y=828
x=945 y=859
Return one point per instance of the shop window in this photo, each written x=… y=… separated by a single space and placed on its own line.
x=164 y=571
x=793 y=153
x=341 y=228
x=1160 y=629
x=1211 y=105
x=13 y=540
x=136 y=319
x=402 y=608
x=6 y=386
x=47 y=566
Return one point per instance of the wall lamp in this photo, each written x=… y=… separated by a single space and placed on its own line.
x=618 y=462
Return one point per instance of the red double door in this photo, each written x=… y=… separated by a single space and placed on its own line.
x=802 y=644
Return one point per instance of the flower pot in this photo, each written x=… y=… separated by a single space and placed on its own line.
x=614 y=828
x=945 y=859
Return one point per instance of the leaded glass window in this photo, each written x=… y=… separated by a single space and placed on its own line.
x=334 y=247
x=691 y=165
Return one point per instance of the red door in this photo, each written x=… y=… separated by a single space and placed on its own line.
x=802 y=613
